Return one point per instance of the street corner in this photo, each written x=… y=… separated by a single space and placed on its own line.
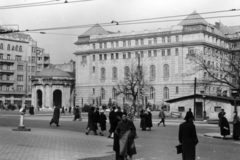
x=217 y=135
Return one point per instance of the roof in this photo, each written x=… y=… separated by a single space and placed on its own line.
x=52 y=72
x=193 y=18
x=17 y=36
x=95 y=30
x=231 y=29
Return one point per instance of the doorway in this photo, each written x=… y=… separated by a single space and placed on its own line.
x=39 y=98
x=199 y=109
x=57 y=98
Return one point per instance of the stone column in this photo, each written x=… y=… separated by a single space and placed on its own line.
x=51 y=96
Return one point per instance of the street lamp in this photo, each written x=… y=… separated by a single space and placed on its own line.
x=235 y=95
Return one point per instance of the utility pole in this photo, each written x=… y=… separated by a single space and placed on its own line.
x=138 y=82
x=194 y=101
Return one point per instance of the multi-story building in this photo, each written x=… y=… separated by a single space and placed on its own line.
x=102 y=57
x=18 y=63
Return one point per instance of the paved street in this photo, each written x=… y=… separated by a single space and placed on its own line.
x=69 y=142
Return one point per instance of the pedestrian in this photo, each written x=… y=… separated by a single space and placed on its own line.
x=70 y=110
x=96 y=115
x=162 y=116
x=236 y=126
x=91 y=126
x=225 y=128
x=143 y=121
x=148 y=119
x=111 y=118
x=102 y=121
x=220 y=115
x=63 y=110
x=187 y=137
x=126 y=132
x=77 y=114
x=56 y=116
x=190 y=114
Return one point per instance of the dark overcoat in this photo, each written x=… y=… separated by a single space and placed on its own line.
x=126 y=131
x=187 y=136
x=220 y=115
x=236 y=127
x=91 y=121
x=56 y=115
x=76 y=113
x=112 y=116
x=190 y=115
x=96 y=116
x=148 y=119
x=225 y=124
x=143 y=121
x=102 y=121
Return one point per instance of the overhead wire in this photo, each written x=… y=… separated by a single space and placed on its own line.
x=26 y=4
x=37 y=5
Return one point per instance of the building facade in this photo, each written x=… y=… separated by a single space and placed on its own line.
x=18 y=63
x=102 y=58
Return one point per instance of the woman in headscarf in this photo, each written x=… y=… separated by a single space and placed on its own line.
x=225 y=129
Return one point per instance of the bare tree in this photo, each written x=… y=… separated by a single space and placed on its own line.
x=135 y=78
x=215 y=68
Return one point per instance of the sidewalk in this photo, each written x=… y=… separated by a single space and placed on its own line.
x=217 y=135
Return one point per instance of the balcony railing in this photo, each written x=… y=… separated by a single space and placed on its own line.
x=3 y=70
x=12 y=92
x=6 y=80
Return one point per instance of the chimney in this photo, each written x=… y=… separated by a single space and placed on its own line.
x=217 y=25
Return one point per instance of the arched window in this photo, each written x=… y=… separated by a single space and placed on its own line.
x=152 y=93
x=8 y=47
x=152 y=72
x=165 y=93
x=20 y=48
x=1 y=46
x=114 y=73
x=126 y=94
x=166 y=70
x=16 y=48
x=114 y=93
x=102 y=93
x=103 y=73
x=126 y=72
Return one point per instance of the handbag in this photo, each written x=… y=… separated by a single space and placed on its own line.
x=179 y=148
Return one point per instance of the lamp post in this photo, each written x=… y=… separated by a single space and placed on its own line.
x=235 y=95
x=204 y=107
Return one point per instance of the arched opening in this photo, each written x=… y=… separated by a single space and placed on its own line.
x=57 y=98
x=39 y=98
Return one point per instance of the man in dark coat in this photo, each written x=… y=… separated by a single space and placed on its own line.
x=143 y=122
x=63 y=110
x=56 y=116
x=111 y=120
x=102 y=122
x=236 y=127
x=92 y=126
x=148 y=119
x=220 y=115
x=225 y=128
x=190 y=114
x=77 y=114
x=187 y=136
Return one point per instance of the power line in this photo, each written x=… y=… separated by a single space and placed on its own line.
x=16 y=5
x=37 y=5
x=55 y=33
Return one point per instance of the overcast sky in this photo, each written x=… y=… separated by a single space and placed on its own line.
x=61 y=47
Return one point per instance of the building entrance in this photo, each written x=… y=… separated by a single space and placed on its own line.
x=39 y=98
x=57 y=98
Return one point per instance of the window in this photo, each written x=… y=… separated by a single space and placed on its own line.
x=112 y=56
x=93 y=91
x=84 y=59
x=136 y=42
x=1 y=46
x=176 y=51
x=33 y=68
x=163 y=39
x=124 y=55
x=166 y=71
x=217 y=109
x=1 y=56
x=117 y=44
x=19 y=87
x=103 y=73
x=94 y=46
x=177 y=39
x=142 y=42
x=20 y=48
x=8 y=56
x=163 y=52
x=105 y=56
x=8 y=47
x=7 y=88
x=29 y=88
x=129 y=54
x=169 y=52
x=13 y=48
x=124 y=43
x=8 y=67
x=136 y=54
x=102 y=93
x=152 y=72
x=149 y=41
x=165 y=93
x=100 y=57
x=112 y=44
x=176 y=90
x=0 y=88
x=93 y=69
x=29 y=78
x=93 y=57
x=105 y=45
x=34 y=59
x=114 y=93
x=155 y=40
x=114 y=73
x=1 y=66
x=149 y=53
x=129 y=43
x=100 y=45
x=155 y=53
x=20 y=67
x=152 y=93
x=116 y=55
x=18 y=58
x=181 y=109
x=142 y=54
x=20 y=77
x=169 y=39
x=126 y=72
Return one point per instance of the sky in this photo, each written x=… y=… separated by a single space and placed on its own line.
x=60 y=43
